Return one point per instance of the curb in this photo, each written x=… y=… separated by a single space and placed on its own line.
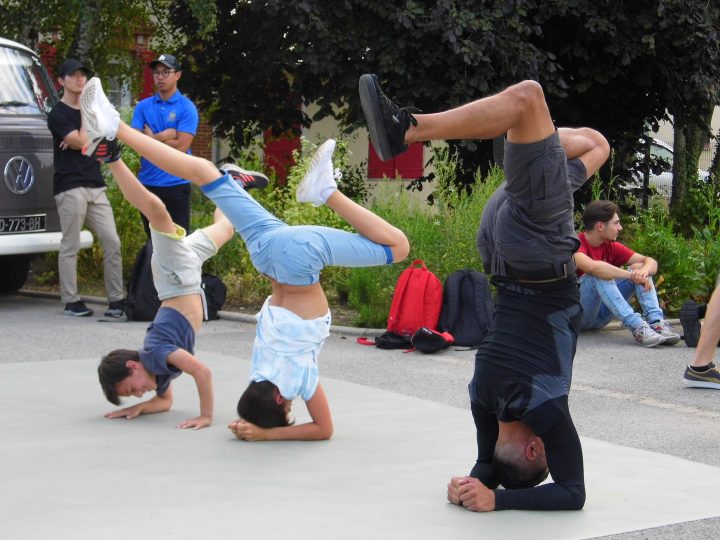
x=350 y=331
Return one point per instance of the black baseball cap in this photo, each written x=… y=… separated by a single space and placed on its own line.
x=71 y=65
x=167 y=60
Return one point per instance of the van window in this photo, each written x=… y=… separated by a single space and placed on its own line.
x=25 y=88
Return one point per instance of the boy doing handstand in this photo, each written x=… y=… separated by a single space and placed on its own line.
x=176 y=266
x=294 y=321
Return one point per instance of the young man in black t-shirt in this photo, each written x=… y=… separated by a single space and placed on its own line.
x=523 y=368
x=80 y=197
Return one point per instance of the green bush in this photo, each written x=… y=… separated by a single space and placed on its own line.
x=443 y=236
x=652 y=235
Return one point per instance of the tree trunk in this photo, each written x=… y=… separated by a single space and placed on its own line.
x=687 y=148
x=678 y=169
x=715 y=166
x=84 y=36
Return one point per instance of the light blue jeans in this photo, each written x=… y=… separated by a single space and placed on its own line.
x=606 y=299
x=293 y=255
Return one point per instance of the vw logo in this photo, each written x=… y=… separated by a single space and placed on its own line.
x=19 y=175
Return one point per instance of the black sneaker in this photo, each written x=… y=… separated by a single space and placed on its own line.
x=77 y=309
x=690 y=323
x=387 y=122
x=115 y=309
x=709 y=378
x=107 y=151
x=247 y=179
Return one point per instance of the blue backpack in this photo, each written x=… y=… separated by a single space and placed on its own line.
x=467 y=308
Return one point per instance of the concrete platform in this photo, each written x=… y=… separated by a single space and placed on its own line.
x=67 y=472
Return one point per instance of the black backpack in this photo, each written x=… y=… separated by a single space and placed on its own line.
x=215 y=292
x=467 y=308
x=430 y=341
x=142 y=298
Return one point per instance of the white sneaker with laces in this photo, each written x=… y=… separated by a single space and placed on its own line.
x=663 y=328
x=319 y=181
x=647 y=337
x=99 y=117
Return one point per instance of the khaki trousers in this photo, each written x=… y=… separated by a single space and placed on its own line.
x=76 y=207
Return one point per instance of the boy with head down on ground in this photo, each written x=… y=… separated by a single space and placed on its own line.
x=176 y=264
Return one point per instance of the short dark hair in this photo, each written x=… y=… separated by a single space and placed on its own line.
x=112 y=370
x=258 y=406
x=602 y=211
x=511 y=476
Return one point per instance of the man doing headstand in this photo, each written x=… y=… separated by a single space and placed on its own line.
x=519 y=391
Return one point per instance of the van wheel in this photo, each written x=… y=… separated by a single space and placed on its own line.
x=14 y=271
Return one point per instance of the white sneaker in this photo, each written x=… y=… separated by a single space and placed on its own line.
x=647 y=337
x=663 y=328
x=99 y=117
x=319 y=182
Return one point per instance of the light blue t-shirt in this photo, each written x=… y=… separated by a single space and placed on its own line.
x=286 y=349
x=178 y=113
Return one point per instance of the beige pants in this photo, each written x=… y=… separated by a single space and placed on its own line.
x=76 y=207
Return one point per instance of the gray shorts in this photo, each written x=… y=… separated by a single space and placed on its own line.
x=528 y=224
x=177 y=261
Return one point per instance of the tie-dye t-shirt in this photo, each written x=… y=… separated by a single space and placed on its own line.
x=286 y=349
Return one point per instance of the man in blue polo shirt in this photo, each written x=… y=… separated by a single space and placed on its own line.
x=171 y=118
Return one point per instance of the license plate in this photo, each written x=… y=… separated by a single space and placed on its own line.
x=22 y=224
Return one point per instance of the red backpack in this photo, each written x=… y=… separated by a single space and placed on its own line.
x=416 y=302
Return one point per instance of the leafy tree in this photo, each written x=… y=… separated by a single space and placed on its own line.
x=618 y=66
x=693 y=90
x=97 y=32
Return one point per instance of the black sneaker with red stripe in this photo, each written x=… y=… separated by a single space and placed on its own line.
x=247 y=179
x=107 y=151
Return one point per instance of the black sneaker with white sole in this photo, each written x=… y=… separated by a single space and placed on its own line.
x=77 y=309
x=387 y=121
x=107 y=151
x=115 y=309
x=247 y=179
x=709 y=378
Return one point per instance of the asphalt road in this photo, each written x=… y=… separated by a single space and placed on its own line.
x=621 y=393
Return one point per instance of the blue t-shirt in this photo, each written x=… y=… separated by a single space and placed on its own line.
x=168 y=332
x=178 y=113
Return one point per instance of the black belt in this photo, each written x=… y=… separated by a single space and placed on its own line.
x=544 y=275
